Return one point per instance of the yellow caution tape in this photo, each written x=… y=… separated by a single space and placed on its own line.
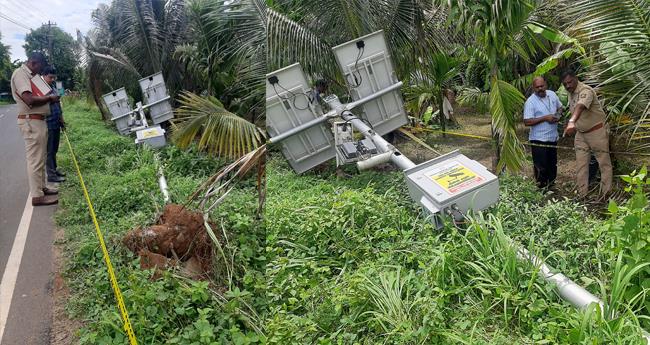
x=640 y=154
x=107 y=259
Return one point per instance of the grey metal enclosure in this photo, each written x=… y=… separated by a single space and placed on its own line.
x=287 y=107
x=366 y=64
x=118 y=105
x=155 y=94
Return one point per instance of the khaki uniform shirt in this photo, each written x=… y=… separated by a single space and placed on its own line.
x=593 y=114
x=21 y=82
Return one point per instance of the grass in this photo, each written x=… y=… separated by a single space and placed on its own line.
x=352 y=261
x=123 y=186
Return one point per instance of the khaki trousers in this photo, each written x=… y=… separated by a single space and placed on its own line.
x=35 y=135
x=599 y=142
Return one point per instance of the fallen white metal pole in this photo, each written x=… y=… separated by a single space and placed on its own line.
x=377 y=94
x=296 y=130
x=396 y=157
x=566 y=288
x=374 y=161
x=162 y=181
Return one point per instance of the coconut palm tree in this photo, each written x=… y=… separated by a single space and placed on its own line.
x=228 y=57
x=506 y=35
x=133 y=39
x=428 y=84
x=305 y=31
x=225 y=62
x=616 y=36
x=227 y=52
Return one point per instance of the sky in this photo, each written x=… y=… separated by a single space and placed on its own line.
x=68 y=15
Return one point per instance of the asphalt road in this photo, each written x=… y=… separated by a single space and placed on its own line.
x=30 y=312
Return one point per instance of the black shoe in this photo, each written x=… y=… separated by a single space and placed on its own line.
x=45 y=200
x=55 y=178
x=60 y=173
x=50 y=191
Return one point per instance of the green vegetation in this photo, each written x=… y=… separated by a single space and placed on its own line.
x=64 y=56
x=352 y=261
x=123 y=187
x=6 y=68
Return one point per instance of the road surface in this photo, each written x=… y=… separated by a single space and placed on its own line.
x=26 y=237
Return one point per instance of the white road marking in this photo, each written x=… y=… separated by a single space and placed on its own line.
x=10 y=275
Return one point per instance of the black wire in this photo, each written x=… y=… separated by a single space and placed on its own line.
x=357 y=82
x=292 y=97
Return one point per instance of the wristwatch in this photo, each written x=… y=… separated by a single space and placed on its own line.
x=572 y=121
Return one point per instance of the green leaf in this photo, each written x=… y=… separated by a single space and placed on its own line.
x=506 y=105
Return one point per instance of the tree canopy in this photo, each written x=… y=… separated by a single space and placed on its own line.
x=5 y=67
x=64 y=52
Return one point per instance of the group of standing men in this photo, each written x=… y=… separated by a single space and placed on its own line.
x=40 y=120
x=542 y=112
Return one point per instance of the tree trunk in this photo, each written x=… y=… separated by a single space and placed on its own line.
x=441 y=115
x=495 y=133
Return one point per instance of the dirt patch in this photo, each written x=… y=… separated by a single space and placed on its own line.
x=64 y=329
x=179 y=237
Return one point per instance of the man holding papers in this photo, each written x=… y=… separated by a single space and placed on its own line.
x=33 y=108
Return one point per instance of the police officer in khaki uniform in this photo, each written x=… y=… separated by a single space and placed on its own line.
x=32 y=111
x=588 y=123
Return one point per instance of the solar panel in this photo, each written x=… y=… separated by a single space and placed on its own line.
x=365 y=62
x=288 y=106
x=117 y=102
x=154 y=90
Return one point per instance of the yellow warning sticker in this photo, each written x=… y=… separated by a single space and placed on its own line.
x=150 y=133
x=455 y=178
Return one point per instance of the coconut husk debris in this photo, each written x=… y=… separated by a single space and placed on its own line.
x=179 y=238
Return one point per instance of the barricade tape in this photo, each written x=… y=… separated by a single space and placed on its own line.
x=532 y=144
x=109 y=266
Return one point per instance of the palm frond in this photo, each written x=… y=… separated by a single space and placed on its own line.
x=473 y=96
x=506 y=103
x=215 y=130
x=213 y=191
x=616 y=36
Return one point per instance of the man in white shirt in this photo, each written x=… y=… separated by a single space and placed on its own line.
x=541 y=113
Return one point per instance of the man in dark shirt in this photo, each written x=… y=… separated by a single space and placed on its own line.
x=54 y=125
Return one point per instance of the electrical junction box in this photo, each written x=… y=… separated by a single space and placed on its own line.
x=452 y=184
x=349 y=150
x=153 y=136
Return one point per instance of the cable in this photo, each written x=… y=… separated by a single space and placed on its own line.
x=9 y=19
x=22 y=8
x=19 y=8
x=357 y=81
x=292 y=97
